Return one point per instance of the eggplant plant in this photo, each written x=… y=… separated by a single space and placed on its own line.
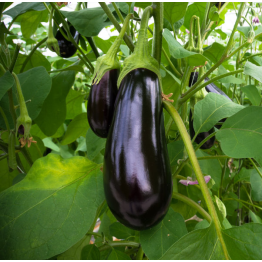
x=130 y=130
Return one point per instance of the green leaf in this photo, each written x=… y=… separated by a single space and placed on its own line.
x=104 y=45
x=240 y=135
x=30 y=22
x=55 y=205
x=175 y=151
x=119 y=231
x=254 y=217
x=24 y=7
x=231 y=204
x=178 y=51
x=90 y=252
x=35 y=84
x=256 y=185
x=74 y=102
x=37 y=59
x=94 y=144
x=228 y=79
x=243 y=175
x=6 y=82
x=88 y=22
x=199 y=244
x=157 y=240
x=53 y=112
x=198 y=9
x=213 y=15
x=244 y=30
x=252 y=94
x=74 y=252
x=214 y=52
x=211 y=109
x=253 y=70
x=222 y=34
x=78 y=127
x=117 y=255
x=174 y=11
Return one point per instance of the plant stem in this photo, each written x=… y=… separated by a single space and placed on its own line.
x=5 y=119
x=111 y=17
x=242 y=201
x=71 y=38
x=170 y=63
x=204 y=141
x=93 y=46
x=140 y=254
x=244 y=59
x=203 y=26
x=222 y=177
x=118 y=12
x=158 y=14
x=11 y=105
x=195 y=87
x=212 y=157
x=256 y=167
x=31 y=53
x=200 y=178
x=3 y=156
x=27 y=156
x=16 y=53
x=193 y=204
x=123 y=243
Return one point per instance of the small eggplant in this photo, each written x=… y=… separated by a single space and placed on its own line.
x=67 y=48
x=100 y=108
x=137 y=173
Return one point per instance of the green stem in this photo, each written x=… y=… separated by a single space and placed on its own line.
x=3 y=156
x=200 y=178
x=247 y=21
x=193 y=204
x=3 y=62
x=195 y=87
x=204 y=141
x=170 y=63
x=27 y=156
x=158 y=14
x=203 y=26
x=111 y=17
x=256 y=167
x=231 y=39
x=2 y=68
x=244 y=59
x=31 y=54
x=118 y=244
x=11 y=105
x=140 y=254
x=71 y=38
x=222 y=177
x=15 y=56
x=118 y=12
x=93 y=46
x=5 y=119
x=242 y=201
x=212 y=157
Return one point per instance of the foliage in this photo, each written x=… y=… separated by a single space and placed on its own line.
x=51 y=184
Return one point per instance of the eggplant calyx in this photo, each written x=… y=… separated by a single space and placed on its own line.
x=141 y=58
x=166 y=97
x=52 y=45
x=110 y=60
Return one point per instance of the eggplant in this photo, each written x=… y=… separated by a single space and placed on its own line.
x=201 y=136
x=67 y=48
x=137 y=173
x=214 y=89
x=100 y=108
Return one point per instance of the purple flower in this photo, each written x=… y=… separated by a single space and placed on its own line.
x=135 y=8
x=190 y=182
x=256 y=20
x=187 y=31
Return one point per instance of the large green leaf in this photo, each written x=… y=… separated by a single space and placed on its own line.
x=175 y=151
x=120 y=231
x=156 y=240
x=253 y=70
x=53 y=112
x=211 y=109
x=78 y=127
x=24 y=7
x=90 y=252
x=31 y=20
x=50 y=209
x=116 y=254
x=174 y=11
x=6 y=82
x=89 y=22
x=74 y=102
x=252 y=94
x=243 y=242
x=36 y=85
x=178 y=51
x=240 y=135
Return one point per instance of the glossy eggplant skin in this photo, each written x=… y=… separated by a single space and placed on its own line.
x=137 y=174
x=201 y=136
x=101 y=101
x=67 y=48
